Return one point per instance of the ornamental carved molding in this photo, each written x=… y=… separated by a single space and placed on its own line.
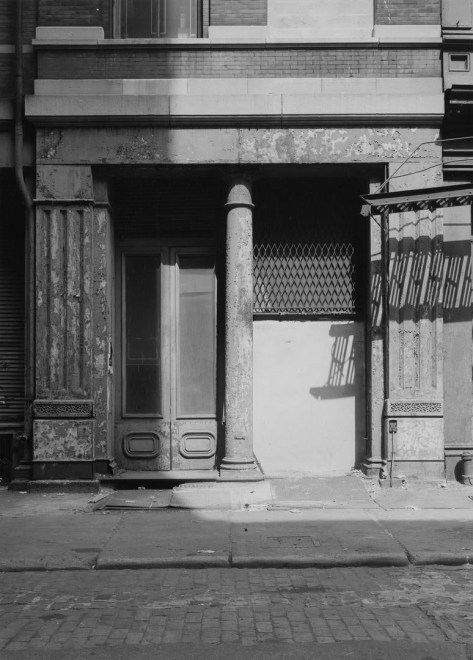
x=414 y=408
x=65 y=409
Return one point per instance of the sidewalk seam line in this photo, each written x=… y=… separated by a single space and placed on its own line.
x=409 y=556
x=95 y=566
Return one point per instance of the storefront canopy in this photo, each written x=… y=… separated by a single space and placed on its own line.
x=414 y=200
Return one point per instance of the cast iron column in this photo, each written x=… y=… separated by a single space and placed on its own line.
x=239 y=462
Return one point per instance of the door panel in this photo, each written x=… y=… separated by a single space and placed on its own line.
x=166 y=412
x=194 y=428
x=142 y=434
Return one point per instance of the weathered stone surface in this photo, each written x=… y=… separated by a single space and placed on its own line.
x=63 y=301
x=73 y=332
x=239 y=328
x=102 y=330
x=415 y=297
x=418 y=439
x=415 y=349
x=148 y=145
x=53 y=182
x=62 y=439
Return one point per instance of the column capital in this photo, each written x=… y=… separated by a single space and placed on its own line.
x=235 y=204
x=64 y=183
x=239 y=189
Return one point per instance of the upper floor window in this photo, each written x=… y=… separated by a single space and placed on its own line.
x=160 y=19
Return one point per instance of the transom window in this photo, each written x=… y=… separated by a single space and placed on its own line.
x=160 y=19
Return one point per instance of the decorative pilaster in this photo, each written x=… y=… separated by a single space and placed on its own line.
x=239 y=462
x=373 y=462
x=457 y=314
x=64 y=427
x=102 y=350
x=415 y=342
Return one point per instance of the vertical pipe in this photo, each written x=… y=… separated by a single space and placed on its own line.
x=385 y=294
x=29 y=231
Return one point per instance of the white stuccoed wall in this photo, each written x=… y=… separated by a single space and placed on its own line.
x=303 y=422
x=324 y=19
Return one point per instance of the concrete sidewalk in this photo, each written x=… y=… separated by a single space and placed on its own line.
x=292 y=521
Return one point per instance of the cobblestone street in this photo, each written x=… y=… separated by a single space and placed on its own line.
x=52 y=611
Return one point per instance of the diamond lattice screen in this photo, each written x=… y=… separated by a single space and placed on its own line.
x=308 y=241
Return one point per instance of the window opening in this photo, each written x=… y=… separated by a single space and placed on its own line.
x=164 y=19
x=308 y=246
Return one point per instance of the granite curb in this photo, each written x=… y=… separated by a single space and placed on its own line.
x=350 y=528
x=351 y=560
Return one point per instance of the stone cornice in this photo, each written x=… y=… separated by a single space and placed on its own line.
x=237 y=110
x=233 y=44
x=255 y=121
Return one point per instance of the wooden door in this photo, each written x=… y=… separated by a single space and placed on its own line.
x=166 y=394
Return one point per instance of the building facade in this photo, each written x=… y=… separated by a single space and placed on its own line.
x=201 y=294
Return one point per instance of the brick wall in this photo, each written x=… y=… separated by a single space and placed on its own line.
x=407 y=12
x=228 y=63
x=76 y=12
x=238 y=12
x=7 y=20
x=7 y=37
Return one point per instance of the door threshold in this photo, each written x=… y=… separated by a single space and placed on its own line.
x=168 y=478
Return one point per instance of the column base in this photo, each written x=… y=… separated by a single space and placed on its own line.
x=67 y=470
x=23 y=471
x=453 y=460
x=241 y=475
x=372 y=466
x=235 y=469
x=57 y=486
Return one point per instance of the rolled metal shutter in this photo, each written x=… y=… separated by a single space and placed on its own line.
x=12 y=324
x=167 y=207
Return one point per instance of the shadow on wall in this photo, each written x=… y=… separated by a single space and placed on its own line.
x=346 y=377
x=341 y=377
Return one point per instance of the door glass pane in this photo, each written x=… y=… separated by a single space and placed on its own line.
x=178 y=19
x=139 y=18
x=142 y=335
x=196 y=335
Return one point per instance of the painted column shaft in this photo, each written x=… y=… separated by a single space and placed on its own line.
x=239 y=329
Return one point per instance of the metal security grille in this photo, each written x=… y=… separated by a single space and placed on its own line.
x=168 y=208
x=308 y=241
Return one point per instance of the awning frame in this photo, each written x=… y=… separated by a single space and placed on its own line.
x=418 y=199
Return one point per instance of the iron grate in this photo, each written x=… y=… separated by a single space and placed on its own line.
x=306 y=256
